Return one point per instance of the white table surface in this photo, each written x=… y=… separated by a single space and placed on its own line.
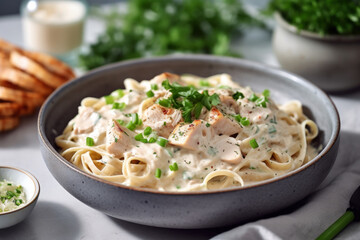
x=58 y=215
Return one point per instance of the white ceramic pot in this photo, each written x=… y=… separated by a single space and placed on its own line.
x=331 y=62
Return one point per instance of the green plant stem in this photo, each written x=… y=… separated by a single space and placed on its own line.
x=337 y=226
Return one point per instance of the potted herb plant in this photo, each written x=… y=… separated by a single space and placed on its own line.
x=319 y=40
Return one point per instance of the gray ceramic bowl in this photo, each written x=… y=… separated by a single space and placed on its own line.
x=31 y=188
x=194 y=209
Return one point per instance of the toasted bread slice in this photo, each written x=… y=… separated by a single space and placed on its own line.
x=30 y=66
x=21 y=97
x=7 y=47
x=52 y=64
x=8 y=123
x=24 y=80
x=8 y=109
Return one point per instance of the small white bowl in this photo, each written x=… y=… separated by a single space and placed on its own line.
x=31 y=188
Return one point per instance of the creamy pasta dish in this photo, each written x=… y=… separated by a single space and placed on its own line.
x=186 y=133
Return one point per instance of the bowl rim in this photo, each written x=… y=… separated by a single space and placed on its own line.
x=35 y=194
x=201 y=57
x=312 y=35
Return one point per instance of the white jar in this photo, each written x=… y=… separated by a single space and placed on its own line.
x=331 y=62
x=53 y=26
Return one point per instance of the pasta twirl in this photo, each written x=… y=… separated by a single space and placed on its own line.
x=186 y=133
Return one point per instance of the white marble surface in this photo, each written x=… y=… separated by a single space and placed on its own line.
x=58 y=215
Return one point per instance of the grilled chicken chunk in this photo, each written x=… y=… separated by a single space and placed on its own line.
x=118 y=140
x=161 y=119
x=222 y=124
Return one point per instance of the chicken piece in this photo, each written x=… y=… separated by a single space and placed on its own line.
x=161 y=119
x=222 y=124
x=229 y=105
x=118 y=140
x=191 y=136
x=167 y=76
x=86 y=120
x=197 y=136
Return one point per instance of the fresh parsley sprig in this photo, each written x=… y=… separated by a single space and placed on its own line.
x=188 y=99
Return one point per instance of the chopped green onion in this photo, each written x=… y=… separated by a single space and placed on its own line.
x=121 y=122
x=119 y=93
x=164 y=102
x=174 y=167
x=238 y=95
x=143 y=140
x=162 y=141
x=152 y=140
x=245 y=121
x=89 y=141
x=139 y=136
x=266 y=93
x=253 y=143
x=207 y=124
x=154 y=87
x=10 y=194
x=131 y=126
x=147 y=131
x=253 y=97
x=109 y=99
x=158 y=173
x=150 y=94
x=18 y=202
x=204 y=83
x=135 y=118
x=117 y=105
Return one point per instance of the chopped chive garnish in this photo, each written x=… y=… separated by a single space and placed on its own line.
x=253 y=143
x=117 y=105
x=164 y=102
x=139 y=136
x=109 y=99
x=253 y=97
x=150 y=94
x=135 y=118
x=119 y=93
x=238 y=95
x=131 y=126
x=121 y=122
x=207 y=124
x=204 y=83
x=158 y=173
x=272 y=129
x=162 y=141
x=18 y=202
x=9 y=184
x=245 y=121
x=89 y=141
x=143 y=140
x=152 y=140
x=174 y=167
x=154 y=87
x=147 y=131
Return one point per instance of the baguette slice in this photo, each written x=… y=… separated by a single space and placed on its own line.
x=9 y=109
x=24 y=80
x=21 y=97
x=30 y=66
